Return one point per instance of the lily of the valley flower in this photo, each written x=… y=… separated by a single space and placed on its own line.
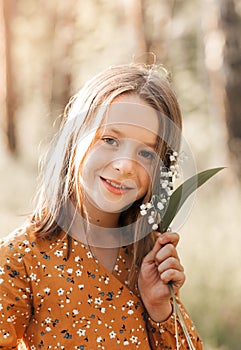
x=163 y=208
x=159 y=203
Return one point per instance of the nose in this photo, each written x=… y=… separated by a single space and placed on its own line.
x=124 y=166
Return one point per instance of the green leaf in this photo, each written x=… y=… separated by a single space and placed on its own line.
x=180 y=195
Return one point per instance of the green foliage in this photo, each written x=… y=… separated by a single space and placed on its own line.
x=180 y=195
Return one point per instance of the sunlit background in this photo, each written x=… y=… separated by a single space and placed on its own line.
x=48 y=49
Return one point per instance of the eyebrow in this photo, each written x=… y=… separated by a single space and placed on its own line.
x=120 y=134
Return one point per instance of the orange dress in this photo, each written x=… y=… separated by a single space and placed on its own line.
x=50 y=302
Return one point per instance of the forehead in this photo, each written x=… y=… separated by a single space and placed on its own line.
x=133 y=114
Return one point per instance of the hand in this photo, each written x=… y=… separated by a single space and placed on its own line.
x=159 y=267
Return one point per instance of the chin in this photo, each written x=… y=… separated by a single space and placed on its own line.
x=114 y=209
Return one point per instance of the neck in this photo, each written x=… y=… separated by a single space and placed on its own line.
x=100 y=230
x=104 y=220
x=98 y=217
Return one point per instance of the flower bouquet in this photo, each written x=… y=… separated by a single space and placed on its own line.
x=164 y=206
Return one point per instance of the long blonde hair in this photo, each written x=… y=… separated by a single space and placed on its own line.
x=63 y=163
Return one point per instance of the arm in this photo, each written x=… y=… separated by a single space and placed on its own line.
x=161 y=266
x=162 y=335
x=15 y=301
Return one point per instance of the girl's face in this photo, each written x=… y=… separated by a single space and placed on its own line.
x=118 y=167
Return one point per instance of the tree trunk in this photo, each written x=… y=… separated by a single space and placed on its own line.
x=150 y=26
x=231 y=28
x=7 y=94
x=223 y=62
x=136 y=19
x=63 y=38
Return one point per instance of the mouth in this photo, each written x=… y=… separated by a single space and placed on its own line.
x=115 y=186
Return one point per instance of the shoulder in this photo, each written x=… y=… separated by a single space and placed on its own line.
x=14 y=239
x=20 y=238
x=15 y=246
x=22 y=244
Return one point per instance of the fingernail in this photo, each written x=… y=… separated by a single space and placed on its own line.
x=161 y=240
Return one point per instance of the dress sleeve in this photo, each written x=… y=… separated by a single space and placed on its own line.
x=15 y=294
x=162 y=335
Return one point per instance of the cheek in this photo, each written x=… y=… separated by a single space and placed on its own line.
x=93 y=160
x=88 y=169
x=145 y=181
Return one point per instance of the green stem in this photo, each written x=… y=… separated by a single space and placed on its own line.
x=177 y=312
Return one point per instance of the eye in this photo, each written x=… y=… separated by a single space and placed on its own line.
x=110 y=141
x=147 y=154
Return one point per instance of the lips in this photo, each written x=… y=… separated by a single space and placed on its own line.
x=115 y=186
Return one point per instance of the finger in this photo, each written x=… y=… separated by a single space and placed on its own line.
x=162 y=240
x=150 y=257
x=170 y=263
x=169 y=237
x=176 y=277
x=166 y=252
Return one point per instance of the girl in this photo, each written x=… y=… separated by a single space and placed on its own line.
x=85 y=272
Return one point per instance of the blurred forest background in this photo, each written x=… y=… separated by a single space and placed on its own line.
x=48 y=49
